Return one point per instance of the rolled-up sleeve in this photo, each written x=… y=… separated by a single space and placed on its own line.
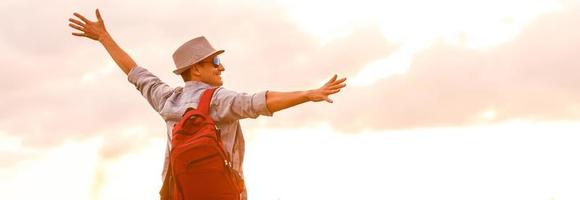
x=151 y=87
x=230 y=105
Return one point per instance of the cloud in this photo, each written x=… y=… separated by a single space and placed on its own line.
x=533 y=77
x=53 y=92
x=46 y=100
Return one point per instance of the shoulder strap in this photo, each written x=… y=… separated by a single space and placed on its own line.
x=205 y=100
x=166 y=192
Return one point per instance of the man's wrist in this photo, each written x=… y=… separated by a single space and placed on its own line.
x=105 y=37
x=307 y=95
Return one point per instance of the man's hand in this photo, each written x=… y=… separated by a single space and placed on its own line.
x=331 y=87
x=94 y=30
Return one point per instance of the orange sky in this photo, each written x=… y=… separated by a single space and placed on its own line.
x=446 y=99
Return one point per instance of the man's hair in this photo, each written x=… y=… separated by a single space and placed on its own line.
x=186 y=75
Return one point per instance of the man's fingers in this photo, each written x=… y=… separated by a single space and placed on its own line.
x=338 y=86
x=79 y=34
x=339 y=81
x=330 y=92
x=331 y=80
x=77 y=22
x=333 y=91
x=99 y=15
x=329 y=100
x=333 y=86
x=76 y=27
x=82 y=18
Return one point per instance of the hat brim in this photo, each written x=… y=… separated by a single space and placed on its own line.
x=181 y=69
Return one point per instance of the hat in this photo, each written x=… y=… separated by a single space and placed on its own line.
x=192 y=52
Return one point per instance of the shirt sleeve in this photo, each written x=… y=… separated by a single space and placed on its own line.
x=151 y=87
x=230 y=105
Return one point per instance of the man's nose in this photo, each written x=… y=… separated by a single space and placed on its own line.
x=222 y=68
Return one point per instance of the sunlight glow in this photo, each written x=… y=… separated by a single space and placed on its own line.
x=75 y=170
x=514 y=160
x=489 y=115
x=136 y=175
x=64 y=172
x=9 y=143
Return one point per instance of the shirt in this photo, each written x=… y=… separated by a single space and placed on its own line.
x=227 y=107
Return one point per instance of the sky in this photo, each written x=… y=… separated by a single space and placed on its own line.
x=446 y=99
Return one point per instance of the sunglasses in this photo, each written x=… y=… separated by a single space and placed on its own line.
x=216 y=62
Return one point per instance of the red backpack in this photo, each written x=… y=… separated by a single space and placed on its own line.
x=199 y=166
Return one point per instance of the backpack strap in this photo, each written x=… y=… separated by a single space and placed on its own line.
x=205 y=100
x=166 y=192
x=203 y=106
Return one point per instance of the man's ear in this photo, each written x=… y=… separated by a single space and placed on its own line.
x=195 y=70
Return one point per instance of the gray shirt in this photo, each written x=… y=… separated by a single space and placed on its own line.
x=227 y=108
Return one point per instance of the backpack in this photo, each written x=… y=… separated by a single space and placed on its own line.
x=199 y=166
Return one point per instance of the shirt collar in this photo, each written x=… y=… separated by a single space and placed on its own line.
x=189 y=84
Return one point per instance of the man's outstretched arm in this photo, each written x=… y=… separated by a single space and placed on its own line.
x=151 y=87
x=97 y=31
x=276 y=101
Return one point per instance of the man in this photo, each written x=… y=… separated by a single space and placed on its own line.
x=200 y=68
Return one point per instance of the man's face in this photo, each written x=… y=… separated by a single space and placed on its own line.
x=210 y=71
